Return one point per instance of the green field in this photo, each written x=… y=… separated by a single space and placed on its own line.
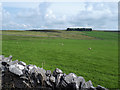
x=68 y=50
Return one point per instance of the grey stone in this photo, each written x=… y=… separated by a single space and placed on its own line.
x=64 y=74
x=92 y=88
x=80 y=81
x=6 y=59
x=58 y=79
x=48 y=83
x=16 y=69
x=26 y=84
x=24 y=77
x=70 y=77
x=100 y=88
x=48 y=73
x=0 y=63
x=22 y=63
x=10 y=58
x=87 y=84
x=57 y=71
x=52 y=79
x=21 y=67
x=29 y=67
x=2 y=68
x=1 y=57
x=76 y=83
x=64 y=83
x=13 y=62
x=42 y=72
x=33 y=70
x=73 y=81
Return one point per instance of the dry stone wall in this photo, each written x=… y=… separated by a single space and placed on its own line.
x=16 y=74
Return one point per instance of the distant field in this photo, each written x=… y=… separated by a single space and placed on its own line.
x=68 y=50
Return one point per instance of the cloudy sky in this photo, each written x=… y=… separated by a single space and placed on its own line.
x=59 y=15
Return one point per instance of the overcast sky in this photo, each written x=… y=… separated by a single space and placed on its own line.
x=59 y=15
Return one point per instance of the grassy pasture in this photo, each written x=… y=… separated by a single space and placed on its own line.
x=68 y=50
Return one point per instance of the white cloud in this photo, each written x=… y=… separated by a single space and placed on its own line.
x=15 y=26
x=50 y=15
x=97 y=15
x=0 y=16
x=20 y=4
x=0 y=11
x=60 y=0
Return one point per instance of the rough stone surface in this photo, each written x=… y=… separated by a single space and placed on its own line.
x=16 y=74
x=16 y=70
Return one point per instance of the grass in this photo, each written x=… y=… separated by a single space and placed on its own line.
x=68 y=50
